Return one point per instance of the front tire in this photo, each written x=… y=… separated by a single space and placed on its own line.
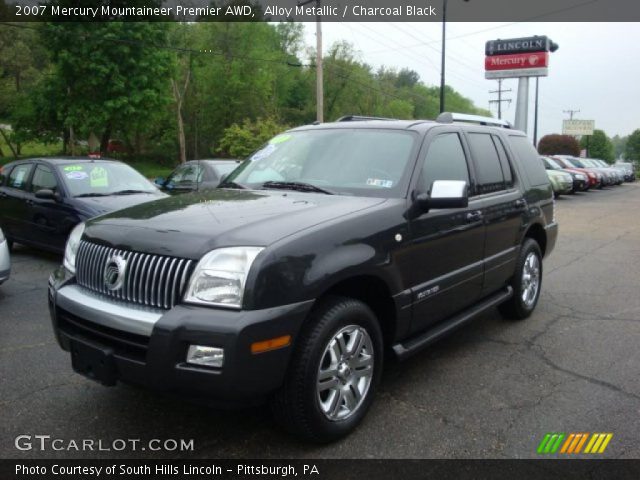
x=526 y=283
x=334 y=372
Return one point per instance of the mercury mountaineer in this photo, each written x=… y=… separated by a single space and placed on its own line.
x=331 y=248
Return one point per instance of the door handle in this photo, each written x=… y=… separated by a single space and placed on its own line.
x=474 y=216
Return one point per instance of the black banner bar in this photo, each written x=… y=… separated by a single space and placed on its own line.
x=320 y=469
x=324 y=10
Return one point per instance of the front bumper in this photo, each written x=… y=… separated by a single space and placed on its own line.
x=150 y=349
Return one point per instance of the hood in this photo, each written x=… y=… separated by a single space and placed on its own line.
x=559 y=174
x=101 y=205
x=192 y=224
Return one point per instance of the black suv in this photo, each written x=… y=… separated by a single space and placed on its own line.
x=330 y=248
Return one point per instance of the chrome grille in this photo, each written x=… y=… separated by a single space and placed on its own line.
x=153 y=280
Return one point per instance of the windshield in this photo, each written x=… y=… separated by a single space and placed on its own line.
x=103 y=178
x=185 y=175
x=363 y=162
x=574 y=162
x=550 y=163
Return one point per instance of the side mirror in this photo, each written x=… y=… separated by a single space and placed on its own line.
x=47 y=194
x=159 y=181
x=445 y=194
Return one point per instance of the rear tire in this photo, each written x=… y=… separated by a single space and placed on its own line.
x=334 y=372
x=526 y=283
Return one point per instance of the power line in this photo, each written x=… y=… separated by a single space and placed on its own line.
x=171 y=48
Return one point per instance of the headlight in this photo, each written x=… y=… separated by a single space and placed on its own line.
x=220 y=277
x=71 y=250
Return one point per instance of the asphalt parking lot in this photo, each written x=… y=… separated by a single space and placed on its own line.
x=492 y=390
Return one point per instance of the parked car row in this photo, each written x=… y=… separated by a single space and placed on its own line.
x=569 y=174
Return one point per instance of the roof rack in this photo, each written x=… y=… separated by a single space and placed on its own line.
x=361 y=118
x=448 y=117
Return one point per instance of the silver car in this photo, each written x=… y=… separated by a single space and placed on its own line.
x=5 y=262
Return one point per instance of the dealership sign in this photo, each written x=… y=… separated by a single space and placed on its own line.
x=518 y=57
x=578 y=127
x=517 y=65
x=519 y=45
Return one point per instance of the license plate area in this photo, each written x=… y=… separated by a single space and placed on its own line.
x=93 y=361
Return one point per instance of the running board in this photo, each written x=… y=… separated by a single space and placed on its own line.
x=415 y=344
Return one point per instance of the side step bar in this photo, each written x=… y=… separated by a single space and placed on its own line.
x=415 y=344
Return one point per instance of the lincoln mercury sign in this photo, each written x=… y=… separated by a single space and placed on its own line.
x=518 y=57
x=578 y=127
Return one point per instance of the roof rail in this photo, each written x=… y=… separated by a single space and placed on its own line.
x=448 y=117
x=360 y=118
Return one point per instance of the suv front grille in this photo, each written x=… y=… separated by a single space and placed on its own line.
x=153 y=280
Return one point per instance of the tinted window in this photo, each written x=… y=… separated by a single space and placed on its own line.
x=507 y=171
x=4 y=174
x=529 y=159
x=19 y=175
x=445 y=160
x=43 y=178
x=489 y=170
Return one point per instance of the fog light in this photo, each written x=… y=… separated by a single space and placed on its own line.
x=207 y=356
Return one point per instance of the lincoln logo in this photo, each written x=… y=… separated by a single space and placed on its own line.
x=114 y=272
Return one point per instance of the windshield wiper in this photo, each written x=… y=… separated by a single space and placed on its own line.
x=92 y=194
x=128 y=192
x=298 y=186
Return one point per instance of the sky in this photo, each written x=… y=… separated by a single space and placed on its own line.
x=596 y=69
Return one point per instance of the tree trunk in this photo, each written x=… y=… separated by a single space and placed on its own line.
x=6 y=139
x=65 y=142
x=104 y=141
x=179 y=96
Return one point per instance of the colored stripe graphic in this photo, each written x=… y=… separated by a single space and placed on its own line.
x=598 y=443
x=550 y=443
x=574 y=442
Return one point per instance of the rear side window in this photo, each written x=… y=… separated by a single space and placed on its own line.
x=507 y=171
x=489 y=169
x=529 y=160
x=19 y=176
x=4 y=174
x=445 y=160
x=43 y=179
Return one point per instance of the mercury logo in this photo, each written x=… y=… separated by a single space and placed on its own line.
x=114 y=272
x=533 y=60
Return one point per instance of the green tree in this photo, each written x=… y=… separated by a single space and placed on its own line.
x=239 y=140
x=556 y=144
x=112 y=74
x=619 y=145
x=632 y=149
x=599 y=146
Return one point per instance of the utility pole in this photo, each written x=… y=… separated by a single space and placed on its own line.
x=319 y=66
x=571 y=113
x=442 y=66
x=500 y=100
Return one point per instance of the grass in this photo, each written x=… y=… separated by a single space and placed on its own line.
x=146 y=167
